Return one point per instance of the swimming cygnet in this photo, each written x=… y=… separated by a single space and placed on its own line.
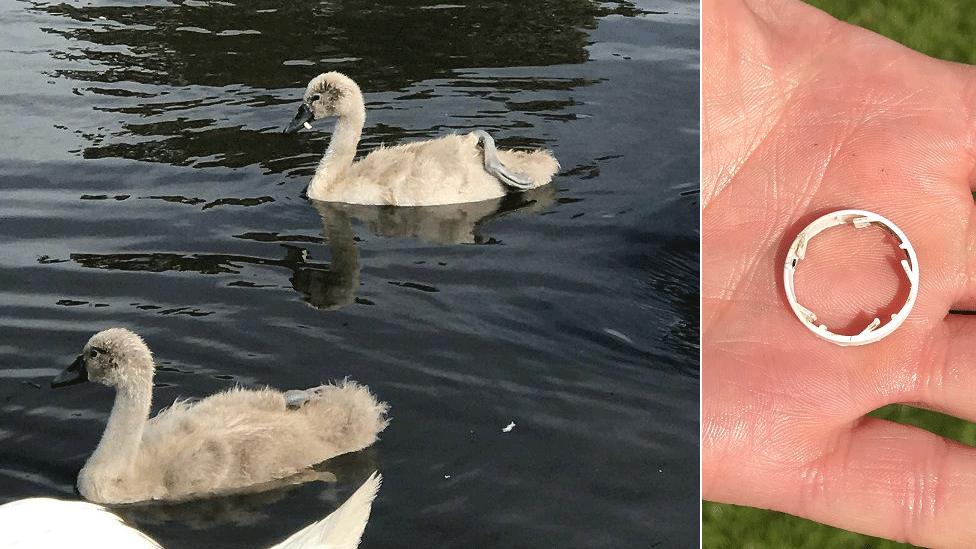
x=45 y=523
x=234 y=441
x=447 y=170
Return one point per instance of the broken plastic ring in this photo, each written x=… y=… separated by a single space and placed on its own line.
x=860 y=219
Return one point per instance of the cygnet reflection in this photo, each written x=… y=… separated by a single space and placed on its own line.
x=334 y=286
x=443 y=224
x=250 y=508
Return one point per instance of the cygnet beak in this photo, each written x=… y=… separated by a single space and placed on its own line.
x=303 y=117
x=76 y=373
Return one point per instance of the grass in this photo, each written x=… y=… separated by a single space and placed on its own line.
x=940 y=28
x=943 y=29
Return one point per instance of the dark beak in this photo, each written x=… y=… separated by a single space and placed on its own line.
x=76 y=373
x=304 y=115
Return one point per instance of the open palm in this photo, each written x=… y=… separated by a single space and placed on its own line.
x=803 y=115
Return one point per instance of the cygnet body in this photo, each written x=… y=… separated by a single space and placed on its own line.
x=46 y=523
x=233 y=441
x=447 y=170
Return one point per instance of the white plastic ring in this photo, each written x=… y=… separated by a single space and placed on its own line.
x=860 y=219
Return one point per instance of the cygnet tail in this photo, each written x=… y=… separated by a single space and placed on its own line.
x=346 y=416
x=343 y=528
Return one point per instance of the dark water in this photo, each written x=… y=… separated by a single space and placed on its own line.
x=145 y=183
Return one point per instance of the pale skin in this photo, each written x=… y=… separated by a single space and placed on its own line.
x=803 y=115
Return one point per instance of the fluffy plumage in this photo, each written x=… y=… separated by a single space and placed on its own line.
x=447 y=170
x=232 y=441
x=44 y=523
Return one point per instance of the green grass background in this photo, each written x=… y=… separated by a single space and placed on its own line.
x=940 y=28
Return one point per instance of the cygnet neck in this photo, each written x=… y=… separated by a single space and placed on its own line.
x=117 y=450
x=341 y=151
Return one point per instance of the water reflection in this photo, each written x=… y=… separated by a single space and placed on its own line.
x=196 y=142
x=253 y=508
x=200 y=263
x=198 y=83
x=272 y=44
x=671 y=277
x=446 y=224
x=333 y=285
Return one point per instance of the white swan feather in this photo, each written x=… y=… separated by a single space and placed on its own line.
x=46 y=523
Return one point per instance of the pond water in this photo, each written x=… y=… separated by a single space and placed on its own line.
x=146 y=183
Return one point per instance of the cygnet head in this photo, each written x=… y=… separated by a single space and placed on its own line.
x=328 y=94
x=116 y=357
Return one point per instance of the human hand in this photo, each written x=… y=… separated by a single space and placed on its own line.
x=803 y=115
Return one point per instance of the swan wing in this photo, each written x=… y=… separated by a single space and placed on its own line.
x=45 y=523
x=343 y=528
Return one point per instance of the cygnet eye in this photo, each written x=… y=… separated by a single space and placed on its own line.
x=315 y=98
x=93 y=353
